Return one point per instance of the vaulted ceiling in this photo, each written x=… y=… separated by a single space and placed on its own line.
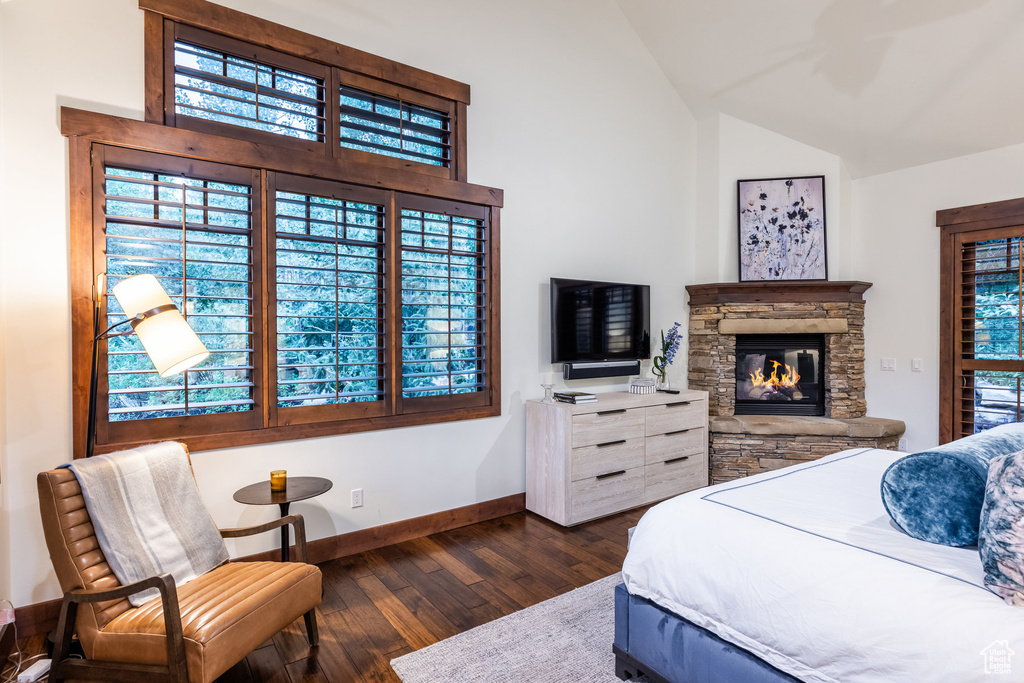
x=884 y=84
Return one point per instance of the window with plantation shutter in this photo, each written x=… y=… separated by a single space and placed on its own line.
x=990 y=363
x=305 y=205
x=193 y=229
x=444 y=300
x=226 y=82
x=383 y=125
x=981 y=339
x=359 y=111
x=330 y=297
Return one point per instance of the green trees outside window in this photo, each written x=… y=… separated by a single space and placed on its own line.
x=195 y=236
x=330 y=300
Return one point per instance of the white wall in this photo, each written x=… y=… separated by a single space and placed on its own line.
x=5 y=540
x=570 y=116
x=896 y=246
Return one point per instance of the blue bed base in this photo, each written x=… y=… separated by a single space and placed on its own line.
x=666 y=648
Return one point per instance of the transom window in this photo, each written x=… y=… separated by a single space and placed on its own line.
x=383 y=125
x=215 y=86
x=228 y=86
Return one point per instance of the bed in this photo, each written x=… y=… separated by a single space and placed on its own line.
x=799 y=574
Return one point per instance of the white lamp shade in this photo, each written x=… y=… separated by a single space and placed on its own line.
x=170 y=342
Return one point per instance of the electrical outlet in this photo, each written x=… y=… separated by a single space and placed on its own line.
x=357 y=498
x=903 y=445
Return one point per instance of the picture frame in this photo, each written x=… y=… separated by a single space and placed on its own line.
x=782 y=229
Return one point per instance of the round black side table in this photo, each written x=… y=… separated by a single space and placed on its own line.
x=298 y=488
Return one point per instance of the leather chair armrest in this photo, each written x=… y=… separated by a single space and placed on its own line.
x=164 y=583
x=296 y=521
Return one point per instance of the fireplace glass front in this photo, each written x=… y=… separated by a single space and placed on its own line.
x=780 y=374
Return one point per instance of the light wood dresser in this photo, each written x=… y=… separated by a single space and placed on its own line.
x=590 y=460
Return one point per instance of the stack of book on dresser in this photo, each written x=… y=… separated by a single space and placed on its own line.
x=575 y=397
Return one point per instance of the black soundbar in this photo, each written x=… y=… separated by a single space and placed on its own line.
x=611 y=368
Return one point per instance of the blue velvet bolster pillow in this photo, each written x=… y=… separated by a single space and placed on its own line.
x=936 y=495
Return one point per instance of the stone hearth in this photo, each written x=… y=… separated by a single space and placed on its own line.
x=742 y=445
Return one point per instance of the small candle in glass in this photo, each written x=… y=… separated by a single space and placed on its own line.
x=278 y=480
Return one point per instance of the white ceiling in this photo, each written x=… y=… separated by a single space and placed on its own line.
x=884 y=84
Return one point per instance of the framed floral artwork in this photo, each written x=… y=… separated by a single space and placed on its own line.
x=782 y=229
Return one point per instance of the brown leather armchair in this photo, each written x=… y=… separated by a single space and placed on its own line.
x=192 y=633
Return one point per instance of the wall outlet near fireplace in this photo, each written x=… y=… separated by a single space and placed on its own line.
x=903 y=447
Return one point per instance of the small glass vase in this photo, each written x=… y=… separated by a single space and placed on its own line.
x=661 y=382
x=548 y=396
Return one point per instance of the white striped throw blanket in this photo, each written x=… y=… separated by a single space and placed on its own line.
x=148 y=516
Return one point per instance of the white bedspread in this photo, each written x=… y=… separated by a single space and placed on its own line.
x=803 y=568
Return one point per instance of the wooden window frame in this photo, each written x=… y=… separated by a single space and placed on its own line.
x=298 y=415
x=89 y=132
x=174 y=32
x=142 y=430
x=423 y=404
x=303 y=52
x=265 y=159
x=975 y=223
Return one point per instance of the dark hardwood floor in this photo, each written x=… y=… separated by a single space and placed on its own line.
x=384 y=603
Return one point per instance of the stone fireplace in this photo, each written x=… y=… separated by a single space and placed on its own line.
x=744 y=444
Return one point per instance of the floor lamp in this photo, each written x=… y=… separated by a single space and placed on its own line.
x=165 y=335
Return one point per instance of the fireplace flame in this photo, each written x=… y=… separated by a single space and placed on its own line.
x=789 y=377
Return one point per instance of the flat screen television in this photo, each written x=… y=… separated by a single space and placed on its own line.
x=599 y=321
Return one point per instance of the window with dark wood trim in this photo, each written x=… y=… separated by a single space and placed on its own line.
x=444 y=300
x=191 y=225
x=394 y=128
x=982 y=326
x=329 y=299
x=214 y=81
x=214 y=85
x=337 y=293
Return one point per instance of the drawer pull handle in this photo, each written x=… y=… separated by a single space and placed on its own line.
x=677 y=403
x=611 y=412
x=610 y=474
x=611 y=443
x=679 y=459
x=678 y=431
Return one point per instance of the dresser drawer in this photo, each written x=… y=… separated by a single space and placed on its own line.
x=610 y=493
x=662 y=447
x=675 y=416
x=666 y=479
x=601 y=427
x=621 y=454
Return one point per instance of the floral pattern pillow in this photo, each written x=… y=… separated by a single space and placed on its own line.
x=1001 y=534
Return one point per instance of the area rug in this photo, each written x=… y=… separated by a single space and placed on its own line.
x=566 y=638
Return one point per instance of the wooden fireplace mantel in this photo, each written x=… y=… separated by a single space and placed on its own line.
x=776 y=292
